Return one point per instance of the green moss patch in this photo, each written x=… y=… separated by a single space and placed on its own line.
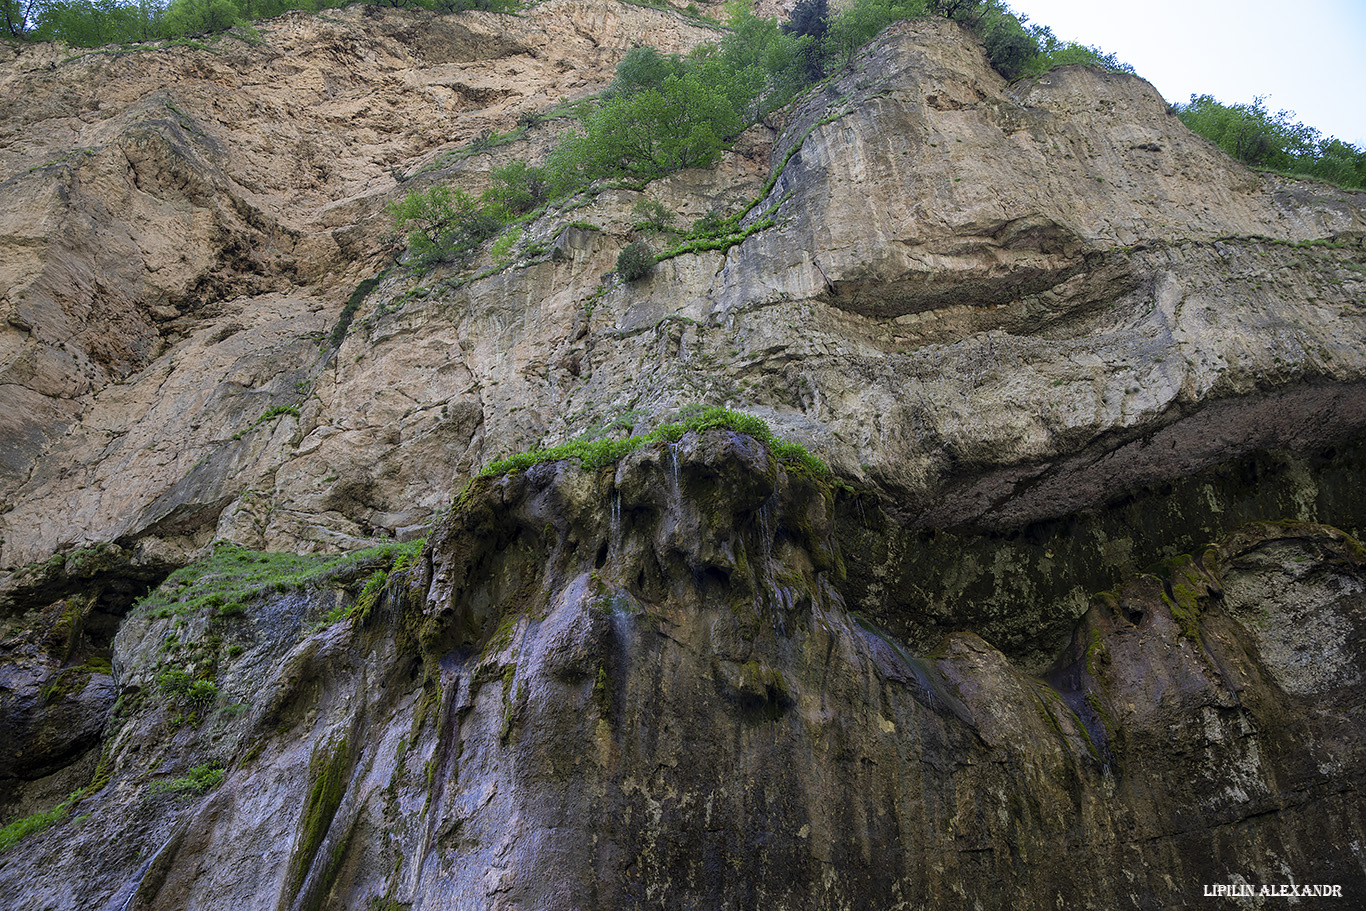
x=328 y=770
x=199 y=779
x=231 y=577
x=595 y=454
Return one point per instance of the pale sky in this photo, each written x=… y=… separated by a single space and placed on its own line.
x=1307 y=56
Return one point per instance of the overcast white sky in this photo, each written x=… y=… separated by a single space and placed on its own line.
x=1306 y=56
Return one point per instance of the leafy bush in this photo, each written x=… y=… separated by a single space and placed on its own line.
x=654 y=215
x=517 y=188
x=635 y=261
x=810 y=18
x=445 y=224
x=1051 y=52
x=1255 y=136
x=861 y=22
x=683 y=123
x=199 y=17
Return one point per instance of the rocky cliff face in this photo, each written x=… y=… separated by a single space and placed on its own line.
x=1045 y=337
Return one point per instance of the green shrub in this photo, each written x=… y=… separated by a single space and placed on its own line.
x=517 y=188
x=445 y=224
x=653 y=214
x=1255 y=136
x=503 y=246
x=861 y=22
x=635 y=261
x=199 y=17
x=1052 y=53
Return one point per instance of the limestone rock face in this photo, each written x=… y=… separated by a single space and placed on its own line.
x=997 y=304
x=640 y=687
x=1050 y=343
x=158 y=199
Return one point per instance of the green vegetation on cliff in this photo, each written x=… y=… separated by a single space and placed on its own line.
x=596 y=453
x=666 y=112
x=231 y=576
x=1275 y=142
x=94 y=23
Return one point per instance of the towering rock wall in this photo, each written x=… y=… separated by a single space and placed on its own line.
x=1046 y=339
x=641 y=687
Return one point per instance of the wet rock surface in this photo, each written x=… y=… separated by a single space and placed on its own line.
x=629 y=689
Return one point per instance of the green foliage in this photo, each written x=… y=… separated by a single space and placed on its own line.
x=517 y=188
x=593 y=454
x=93 y=23
x=683 y=122
x=232 y=576
x=635 y=261
x=369 y=595
x=199 y=17
x=653 y=215
x=1256 y=137
x=668 y=112
x=1052 y=52
x=503 y=246
x=348 y=312
x=20 y=829
x=16 y=831
x=445 y=224
x=643 y=68
x=192 y=697
x=200 y=778
x=268 y=415
x=810 y=18
x=19 y=17
x=278 y=411
x=860 y=23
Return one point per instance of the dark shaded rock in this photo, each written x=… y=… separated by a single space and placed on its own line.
x=623 y=689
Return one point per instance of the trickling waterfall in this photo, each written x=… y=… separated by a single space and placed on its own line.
x=614 y=529
x=780 y=599
x=675 y=485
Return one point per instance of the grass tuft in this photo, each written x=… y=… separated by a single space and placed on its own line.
x=594 y=454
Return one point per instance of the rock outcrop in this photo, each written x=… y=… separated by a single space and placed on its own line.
x=640 y=687
x=1050 y=344
x=998 y=304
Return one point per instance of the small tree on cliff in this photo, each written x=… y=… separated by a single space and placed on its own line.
x=19 y=16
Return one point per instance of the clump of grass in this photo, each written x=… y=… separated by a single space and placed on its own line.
x=231 y=577
x=594 y=454
x=200 y=778
x=20 y=829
